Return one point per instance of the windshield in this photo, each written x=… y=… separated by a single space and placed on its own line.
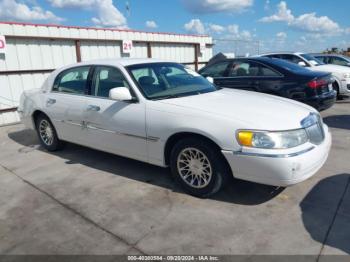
x=312 y=60
x=169 y=80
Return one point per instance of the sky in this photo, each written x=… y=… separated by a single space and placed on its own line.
x=259 y=25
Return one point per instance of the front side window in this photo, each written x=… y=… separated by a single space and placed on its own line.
x=106 y=78
x=323 y=59
x=312 y=60
x=216 y=70
x=73 y=81
x=168 y=80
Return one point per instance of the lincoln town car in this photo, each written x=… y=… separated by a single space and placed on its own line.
x=166 y=114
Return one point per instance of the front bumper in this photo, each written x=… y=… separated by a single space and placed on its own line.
x=345 y=87
x=279 y=169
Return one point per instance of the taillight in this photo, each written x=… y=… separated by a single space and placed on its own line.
x=317 y=83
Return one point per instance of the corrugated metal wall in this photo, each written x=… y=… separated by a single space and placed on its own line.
x=34 y=50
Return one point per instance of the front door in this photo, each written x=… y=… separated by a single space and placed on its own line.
x=115 y=126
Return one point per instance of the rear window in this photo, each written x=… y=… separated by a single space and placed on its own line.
x=289 y=66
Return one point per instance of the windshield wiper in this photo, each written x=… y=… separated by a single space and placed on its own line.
x=166 y=97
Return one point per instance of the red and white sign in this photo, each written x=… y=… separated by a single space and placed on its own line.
x=2 y=44
x=127 y=46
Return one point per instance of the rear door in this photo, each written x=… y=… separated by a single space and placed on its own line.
x=270 y=80
x=65 y=103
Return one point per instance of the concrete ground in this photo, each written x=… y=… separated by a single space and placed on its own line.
x=82 y=201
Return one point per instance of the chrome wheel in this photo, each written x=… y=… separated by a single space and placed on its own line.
x=46 y=132
x=194 y=167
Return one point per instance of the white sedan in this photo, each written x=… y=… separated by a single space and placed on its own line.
x=166 y=114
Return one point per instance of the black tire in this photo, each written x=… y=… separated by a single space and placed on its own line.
x=218 y=166
x=53 y=143
x=336 y=88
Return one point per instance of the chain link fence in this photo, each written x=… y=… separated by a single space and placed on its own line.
x=237 y=47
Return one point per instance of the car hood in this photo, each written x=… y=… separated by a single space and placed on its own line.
x=251 y=109
x=332 y=68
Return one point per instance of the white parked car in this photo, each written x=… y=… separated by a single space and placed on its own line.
x=166 y=114
x=341 y=74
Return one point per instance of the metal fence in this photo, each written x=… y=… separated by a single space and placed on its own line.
x=237 y=47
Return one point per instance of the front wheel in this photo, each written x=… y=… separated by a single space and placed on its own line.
x=47 y=134
x=198 y=166
x=336 y=89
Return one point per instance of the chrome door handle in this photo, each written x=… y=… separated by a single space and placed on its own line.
x=93 y=108
x=50 y=101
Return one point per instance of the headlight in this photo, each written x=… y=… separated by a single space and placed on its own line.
x=346 y=75
x=272 y=140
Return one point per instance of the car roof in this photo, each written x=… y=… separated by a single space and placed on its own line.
x=257 y=58
x=328 y=55
x=285 y=52
x=119 y=61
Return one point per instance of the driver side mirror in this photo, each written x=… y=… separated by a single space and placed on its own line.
x=120 y=94
x=210 y=79
x=302 y=63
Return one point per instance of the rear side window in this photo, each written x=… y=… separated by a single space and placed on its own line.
x=250 y=69
x=73 y=81
x=292 y=58
x=266 y=71
x=216 y=70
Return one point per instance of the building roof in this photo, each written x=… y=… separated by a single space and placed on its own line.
x=98 y=28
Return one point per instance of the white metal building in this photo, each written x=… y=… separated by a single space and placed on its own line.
x=34 y=50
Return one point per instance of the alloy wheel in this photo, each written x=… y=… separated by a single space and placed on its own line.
x=194 y=167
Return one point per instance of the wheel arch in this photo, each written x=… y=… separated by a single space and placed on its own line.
x=174 y=138
x=36 y=114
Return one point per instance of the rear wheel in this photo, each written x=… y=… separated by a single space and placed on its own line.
x=198 y=167
x=47 y=134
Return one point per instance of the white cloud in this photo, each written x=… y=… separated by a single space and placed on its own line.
x=12 y=10
x=245 y=35
x=283 y=14
x=218 y=29
x=306 y=22
x=107 y=13
x=312 y=23
x=232 y=31
x=151 y=24
x=281 y=37
x=237 y=34
x=267 y=5
x=215 y=6
x=86 y=4
x=195 y=26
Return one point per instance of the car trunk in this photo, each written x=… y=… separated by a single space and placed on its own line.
x=321 y=84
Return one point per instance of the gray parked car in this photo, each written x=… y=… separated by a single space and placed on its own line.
x=334 y=59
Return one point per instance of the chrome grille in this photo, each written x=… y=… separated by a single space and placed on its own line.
x=313 y=125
